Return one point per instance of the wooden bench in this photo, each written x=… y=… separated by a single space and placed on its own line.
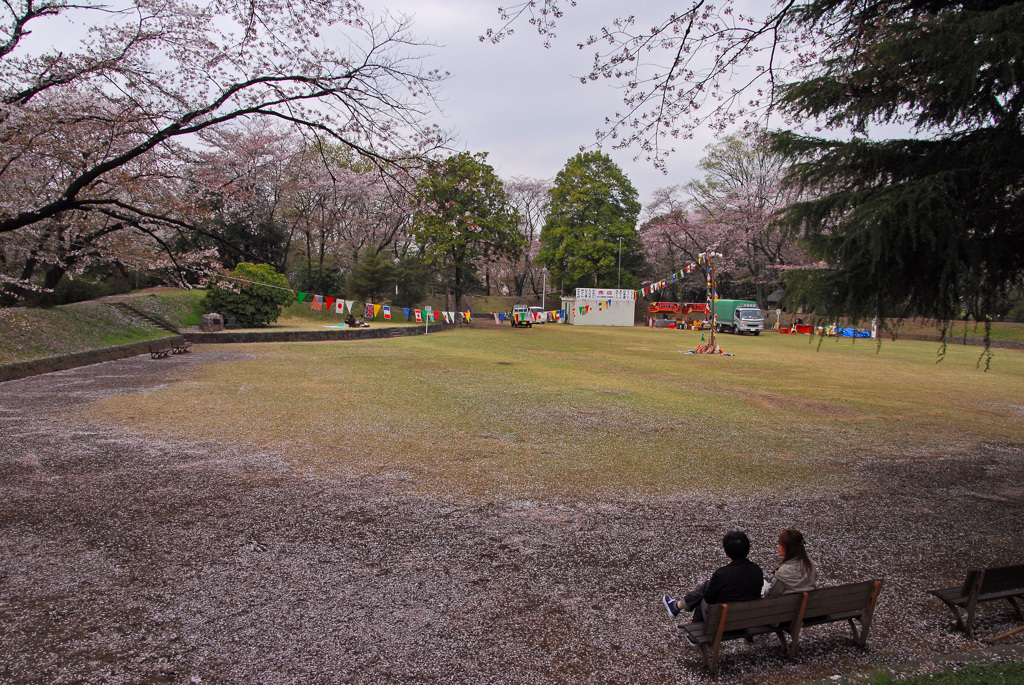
x=160 y=349
x=983 y=585
x=786 y=615
x=181 y=347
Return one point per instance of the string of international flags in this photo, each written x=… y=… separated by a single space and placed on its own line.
x=338 y=305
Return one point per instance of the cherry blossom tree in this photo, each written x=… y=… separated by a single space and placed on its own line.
x=733 y=210
x=705 y=64
x=531 y=197
x=77 y=123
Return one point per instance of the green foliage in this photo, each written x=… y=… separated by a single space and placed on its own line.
x=928 y=226
x=1017 y=312
x=326 y=277
x=73 y=290
x=464 y=218
x=242 y=298
x=372 y=277
x=593 y=205
x=412 y=274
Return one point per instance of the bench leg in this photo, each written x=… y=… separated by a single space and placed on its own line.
x=971 y=605
x=956 y=614
x=865 y=618
x=710 y=654
x=1016 y=607
x=789 y=646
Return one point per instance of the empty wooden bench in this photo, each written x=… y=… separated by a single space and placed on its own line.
x=181 y=347
x=160 y=349
x=983 y=585
x=786 y=616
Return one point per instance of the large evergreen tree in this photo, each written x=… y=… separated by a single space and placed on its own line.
x=593 y=206
x=929 y=225
x=464 y=219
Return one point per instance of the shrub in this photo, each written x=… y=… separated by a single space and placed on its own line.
x=1017 y=312
x=240 y=295
x=77 y=290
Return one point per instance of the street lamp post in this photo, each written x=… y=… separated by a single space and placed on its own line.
x=619 y=285
x=543 y=288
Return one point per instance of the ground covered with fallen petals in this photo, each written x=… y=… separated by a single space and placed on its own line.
x=147 y=552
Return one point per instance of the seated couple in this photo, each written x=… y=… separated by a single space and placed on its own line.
x=742 y=580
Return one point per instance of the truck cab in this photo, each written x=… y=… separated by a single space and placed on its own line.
x=739 y=316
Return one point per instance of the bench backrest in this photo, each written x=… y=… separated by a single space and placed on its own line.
x=758 y=612
x=782 y=609
x=839 y=599
x=999 y=579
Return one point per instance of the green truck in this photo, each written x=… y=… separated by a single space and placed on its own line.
x=738 y=316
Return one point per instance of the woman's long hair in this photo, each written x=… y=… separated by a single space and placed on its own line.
x=792 y=541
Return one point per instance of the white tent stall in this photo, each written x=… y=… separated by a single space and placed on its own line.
x=600 y=307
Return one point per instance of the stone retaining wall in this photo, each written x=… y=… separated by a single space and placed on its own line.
x=34 y=367
x=309 y=336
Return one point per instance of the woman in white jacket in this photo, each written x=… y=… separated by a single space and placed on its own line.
x=795 y=573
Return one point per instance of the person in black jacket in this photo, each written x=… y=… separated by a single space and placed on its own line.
x=738 y=581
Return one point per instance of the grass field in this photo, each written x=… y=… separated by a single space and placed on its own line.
x=581 y=412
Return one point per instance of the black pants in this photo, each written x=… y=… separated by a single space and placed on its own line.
x=694 y=601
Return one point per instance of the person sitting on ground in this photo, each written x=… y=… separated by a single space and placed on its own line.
x=350 y=321
x=738 y=581
x=795 y=573
x=361 y=324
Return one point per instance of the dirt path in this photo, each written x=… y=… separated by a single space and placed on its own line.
x=126 y=559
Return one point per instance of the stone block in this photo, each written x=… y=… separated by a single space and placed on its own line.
x=212 y=323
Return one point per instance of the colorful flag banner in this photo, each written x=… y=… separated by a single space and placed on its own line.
x=339 y=306
x=369 y=311
x=376 y=310
x=327 y=303
x=468 y=315
x=387 y=312
x=318 y=302
x=406 y=310
x=301 y=297
x=419 y=316
x=497 y=319
x=503 y=317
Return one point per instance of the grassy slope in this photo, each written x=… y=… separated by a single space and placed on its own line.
x=568 y=410
x=180 y=308
x=34 y=333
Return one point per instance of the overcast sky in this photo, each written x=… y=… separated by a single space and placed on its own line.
x=519 y=101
